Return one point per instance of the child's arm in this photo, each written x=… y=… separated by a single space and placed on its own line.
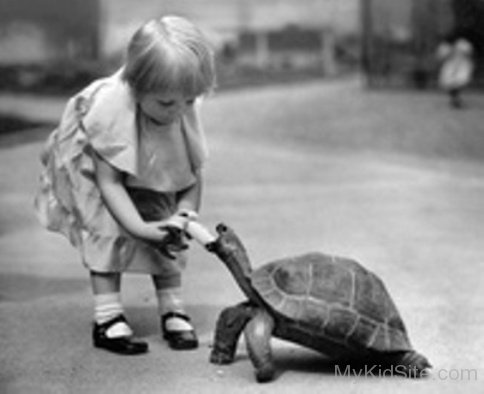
x=116 y=198
x=189 y=200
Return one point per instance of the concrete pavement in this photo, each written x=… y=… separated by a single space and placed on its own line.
x=416 y=222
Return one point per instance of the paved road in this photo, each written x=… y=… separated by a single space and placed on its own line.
x=416 y=222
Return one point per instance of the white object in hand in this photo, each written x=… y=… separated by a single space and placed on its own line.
x=199 y=233
x=178 y=222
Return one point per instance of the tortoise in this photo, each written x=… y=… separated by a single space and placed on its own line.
x=327 y=303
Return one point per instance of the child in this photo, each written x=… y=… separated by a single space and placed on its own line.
x=123 y=166
x=456 y=69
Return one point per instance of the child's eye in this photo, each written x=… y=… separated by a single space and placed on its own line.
x=190 y=101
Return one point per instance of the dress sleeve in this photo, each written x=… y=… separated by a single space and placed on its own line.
x=110 y=124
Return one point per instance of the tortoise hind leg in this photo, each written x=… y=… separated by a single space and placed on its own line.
x=230 y=324
x=410 y=364
x=258 y=333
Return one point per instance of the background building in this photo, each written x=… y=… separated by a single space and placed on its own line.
x=400 y=38
x=60 y=43
x=50 y=43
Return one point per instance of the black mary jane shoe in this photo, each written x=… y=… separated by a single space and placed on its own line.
x=119 y=345
x=178 y=339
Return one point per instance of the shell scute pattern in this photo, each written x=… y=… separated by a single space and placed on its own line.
x=314 y=314
x=368 y=297
x=331 y=284
x=340 y=324
x=334 y=297
x=364 y=332
x=292 y=277
x=399 y=339
x=381 y=339
x=293 y=307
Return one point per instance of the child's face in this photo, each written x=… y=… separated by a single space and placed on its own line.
x=165 y=108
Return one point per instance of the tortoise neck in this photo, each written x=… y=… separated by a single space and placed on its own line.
x=242 y=277
x=238 y=263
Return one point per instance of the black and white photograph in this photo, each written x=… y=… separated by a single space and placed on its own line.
x=241 y=196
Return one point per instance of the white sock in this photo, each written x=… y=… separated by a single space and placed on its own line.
x=170 y=300
x=107 y=307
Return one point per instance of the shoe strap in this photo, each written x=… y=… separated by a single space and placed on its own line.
x=172 y=314
x=104 y=327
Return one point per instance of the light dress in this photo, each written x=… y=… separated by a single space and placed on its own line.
x=457 y=64
x=158 y=163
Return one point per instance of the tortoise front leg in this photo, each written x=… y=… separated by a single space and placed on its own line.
x=230 y=324
x=258 y=333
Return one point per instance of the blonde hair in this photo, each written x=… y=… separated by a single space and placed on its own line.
x=170 y=54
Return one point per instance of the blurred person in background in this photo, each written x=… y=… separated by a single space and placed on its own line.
x=124 y=169
x=456 y=67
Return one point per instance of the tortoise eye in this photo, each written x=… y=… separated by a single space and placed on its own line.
x=221 y=228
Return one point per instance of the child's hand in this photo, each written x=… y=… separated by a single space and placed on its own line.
x=173 y=239
x=155 y=231
x=173 y=243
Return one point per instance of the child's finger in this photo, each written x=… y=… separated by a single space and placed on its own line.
x=187 y=213
x=166 y=252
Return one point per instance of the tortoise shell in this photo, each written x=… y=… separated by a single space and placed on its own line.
x=335 y=298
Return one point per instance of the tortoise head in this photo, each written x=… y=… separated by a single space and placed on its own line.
x=229 y=248
x=232 y=252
